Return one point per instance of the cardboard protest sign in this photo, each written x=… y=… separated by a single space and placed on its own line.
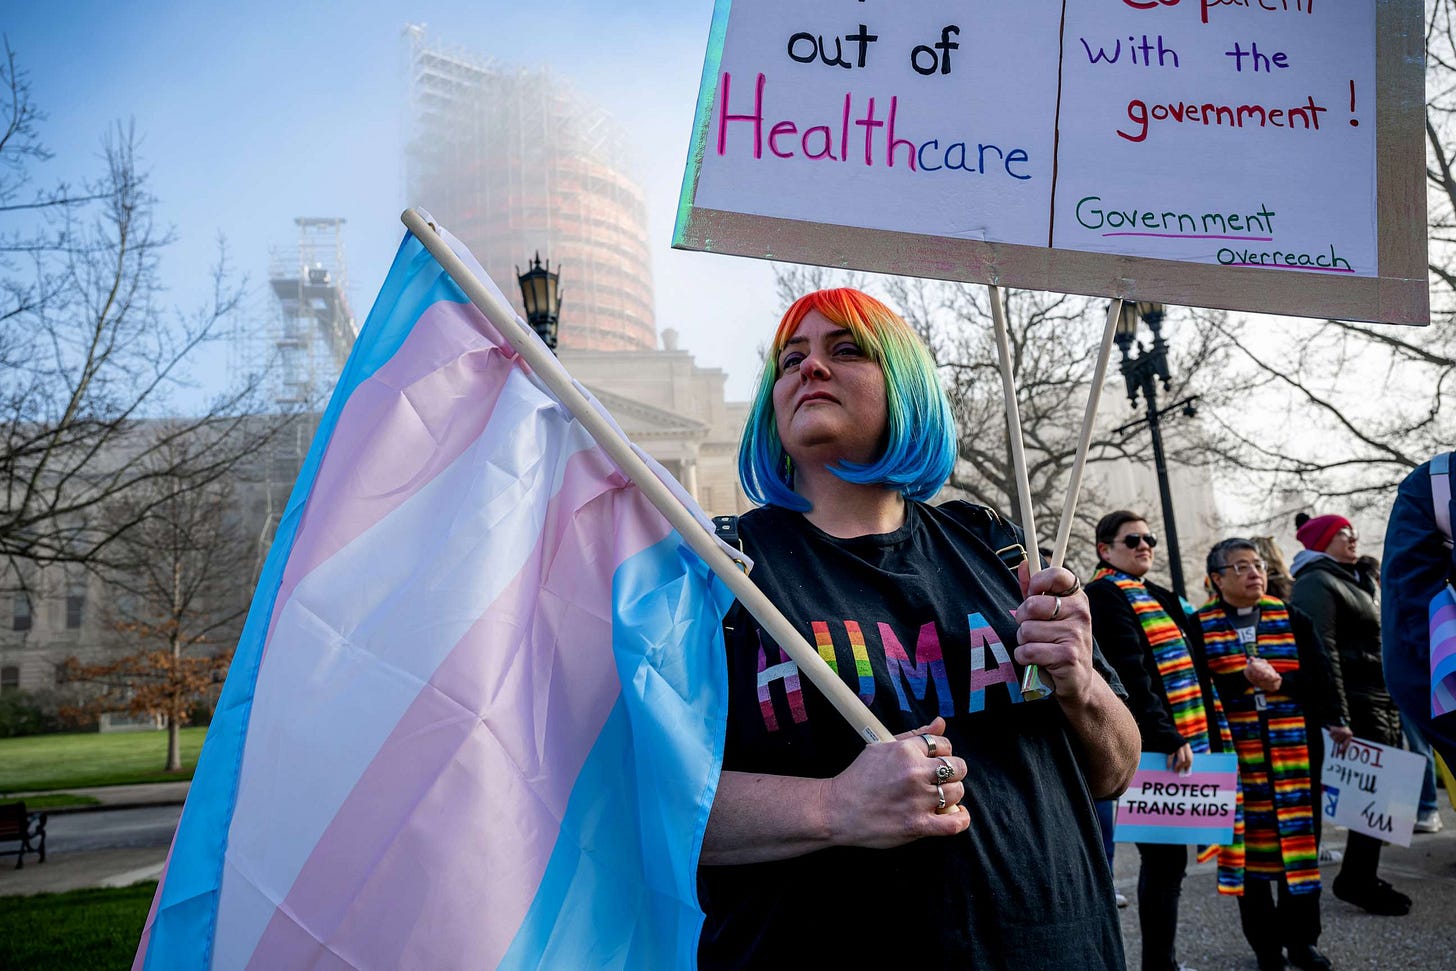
x=1372 y=788
x=1162 y=806
x=1213 y=153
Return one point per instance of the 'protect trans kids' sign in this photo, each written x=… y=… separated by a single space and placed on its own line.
x=1164 y=806
x=1260 y=155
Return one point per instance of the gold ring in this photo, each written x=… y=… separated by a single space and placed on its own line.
x=929 y=745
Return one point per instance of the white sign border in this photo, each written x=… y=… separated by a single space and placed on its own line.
x=1399 y=295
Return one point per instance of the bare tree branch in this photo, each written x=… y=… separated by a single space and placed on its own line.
x=89 y=361
x=179 y=595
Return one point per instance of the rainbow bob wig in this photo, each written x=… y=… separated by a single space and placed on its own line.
x=920 y=445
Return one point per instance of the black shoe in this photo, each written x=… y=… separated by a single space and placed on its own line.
x=1377 y=897
x=1309 y=958
x=1273 y=961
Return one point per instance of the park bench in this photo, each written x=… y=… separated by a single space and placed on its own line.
x=18 y=826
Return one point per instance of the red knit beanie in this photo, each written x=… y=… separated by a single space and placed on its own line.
x=1315 y=533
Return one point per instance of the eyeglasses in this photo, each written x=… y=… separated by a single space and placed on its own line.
x=1349 y=533
x=1133 y=540
x=1244 y=566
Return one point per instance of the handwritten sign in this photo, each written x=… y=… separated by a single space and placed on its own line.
x=1372 y=788
x=1220 y=153
x=1162 y=806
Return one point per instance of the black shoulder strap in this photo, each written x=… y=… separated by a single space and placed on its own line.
x=995 y=532
x=726 y=528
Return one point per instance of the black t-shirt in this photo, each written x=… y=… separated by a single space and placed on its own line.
x=919 y=622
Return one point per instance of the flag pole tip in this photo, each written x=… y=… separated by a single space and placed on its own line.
x=423 y=216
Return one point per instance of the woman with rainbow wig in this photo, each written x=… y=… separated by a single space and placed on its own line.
x=970 y=840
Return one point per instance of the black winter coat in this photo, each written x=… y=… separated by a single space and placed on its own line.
x=1342 y=603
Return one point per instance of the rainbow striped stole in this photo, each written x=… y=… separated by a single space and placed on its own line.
x=1170 y=653
x=1274 y=832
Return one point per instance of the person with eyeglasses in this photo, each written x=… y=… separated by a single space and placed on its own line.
x=1157 y=652
x=1273 y=683
x=1343 y=603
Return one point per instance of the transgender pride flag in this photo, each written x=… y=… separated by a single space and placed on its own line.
x=1443 y=652
x=475 y=717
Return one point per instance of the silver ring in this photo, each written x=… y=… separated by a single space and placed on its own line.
x=1070 y=591
x=929 y=745
x=1056 y=608
x=939 y=796
x=944 y=771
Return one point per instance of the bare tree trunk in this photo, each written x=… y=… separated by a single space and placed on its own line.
x=174 y=745
x=178 y=602
x=174 y=749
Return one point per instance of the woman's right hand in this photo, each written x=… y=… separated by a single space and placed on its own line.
x=1261 y=674
x=887 y=796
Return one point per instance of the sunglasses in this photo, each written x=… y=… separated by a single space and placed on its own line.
x=1133 y=540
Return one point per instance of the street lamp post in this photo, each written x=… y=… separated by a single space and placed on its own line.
x=1142 y=374
x=541 y=296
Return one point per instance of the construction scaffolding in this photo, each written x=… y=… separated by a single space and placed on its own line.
x=514 y=162
x=315 y=327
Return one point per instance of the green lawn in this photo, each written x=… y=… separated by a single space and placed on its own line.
x=40 y=762
x=75 y=931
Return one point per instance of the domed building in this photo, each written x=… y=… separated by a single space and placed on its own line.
x=514 y=162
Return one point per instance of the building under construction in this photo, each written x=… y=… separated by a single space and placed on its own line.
x=316 y=328
x=513 y=162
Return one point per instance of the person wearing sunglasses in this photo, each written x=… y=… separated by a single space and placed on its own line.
x=1157 y=651
x=1273 y=681
x=1343 y=603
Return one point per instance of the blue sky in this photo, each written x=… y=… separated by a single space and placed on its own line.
x=252 y=114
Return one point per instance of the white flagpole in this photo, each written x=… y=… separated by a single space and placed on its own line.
x=549 y=369
x=1084 y=441
x=1032 y=686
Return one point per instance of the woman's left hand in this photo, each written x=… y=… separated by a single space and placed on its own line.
x=1056 y=630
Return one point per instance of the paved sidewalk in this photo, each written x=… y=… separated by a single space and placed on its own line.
x=75 y=871
x=1209 y=937
x=96 y=868
x=118 y=797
